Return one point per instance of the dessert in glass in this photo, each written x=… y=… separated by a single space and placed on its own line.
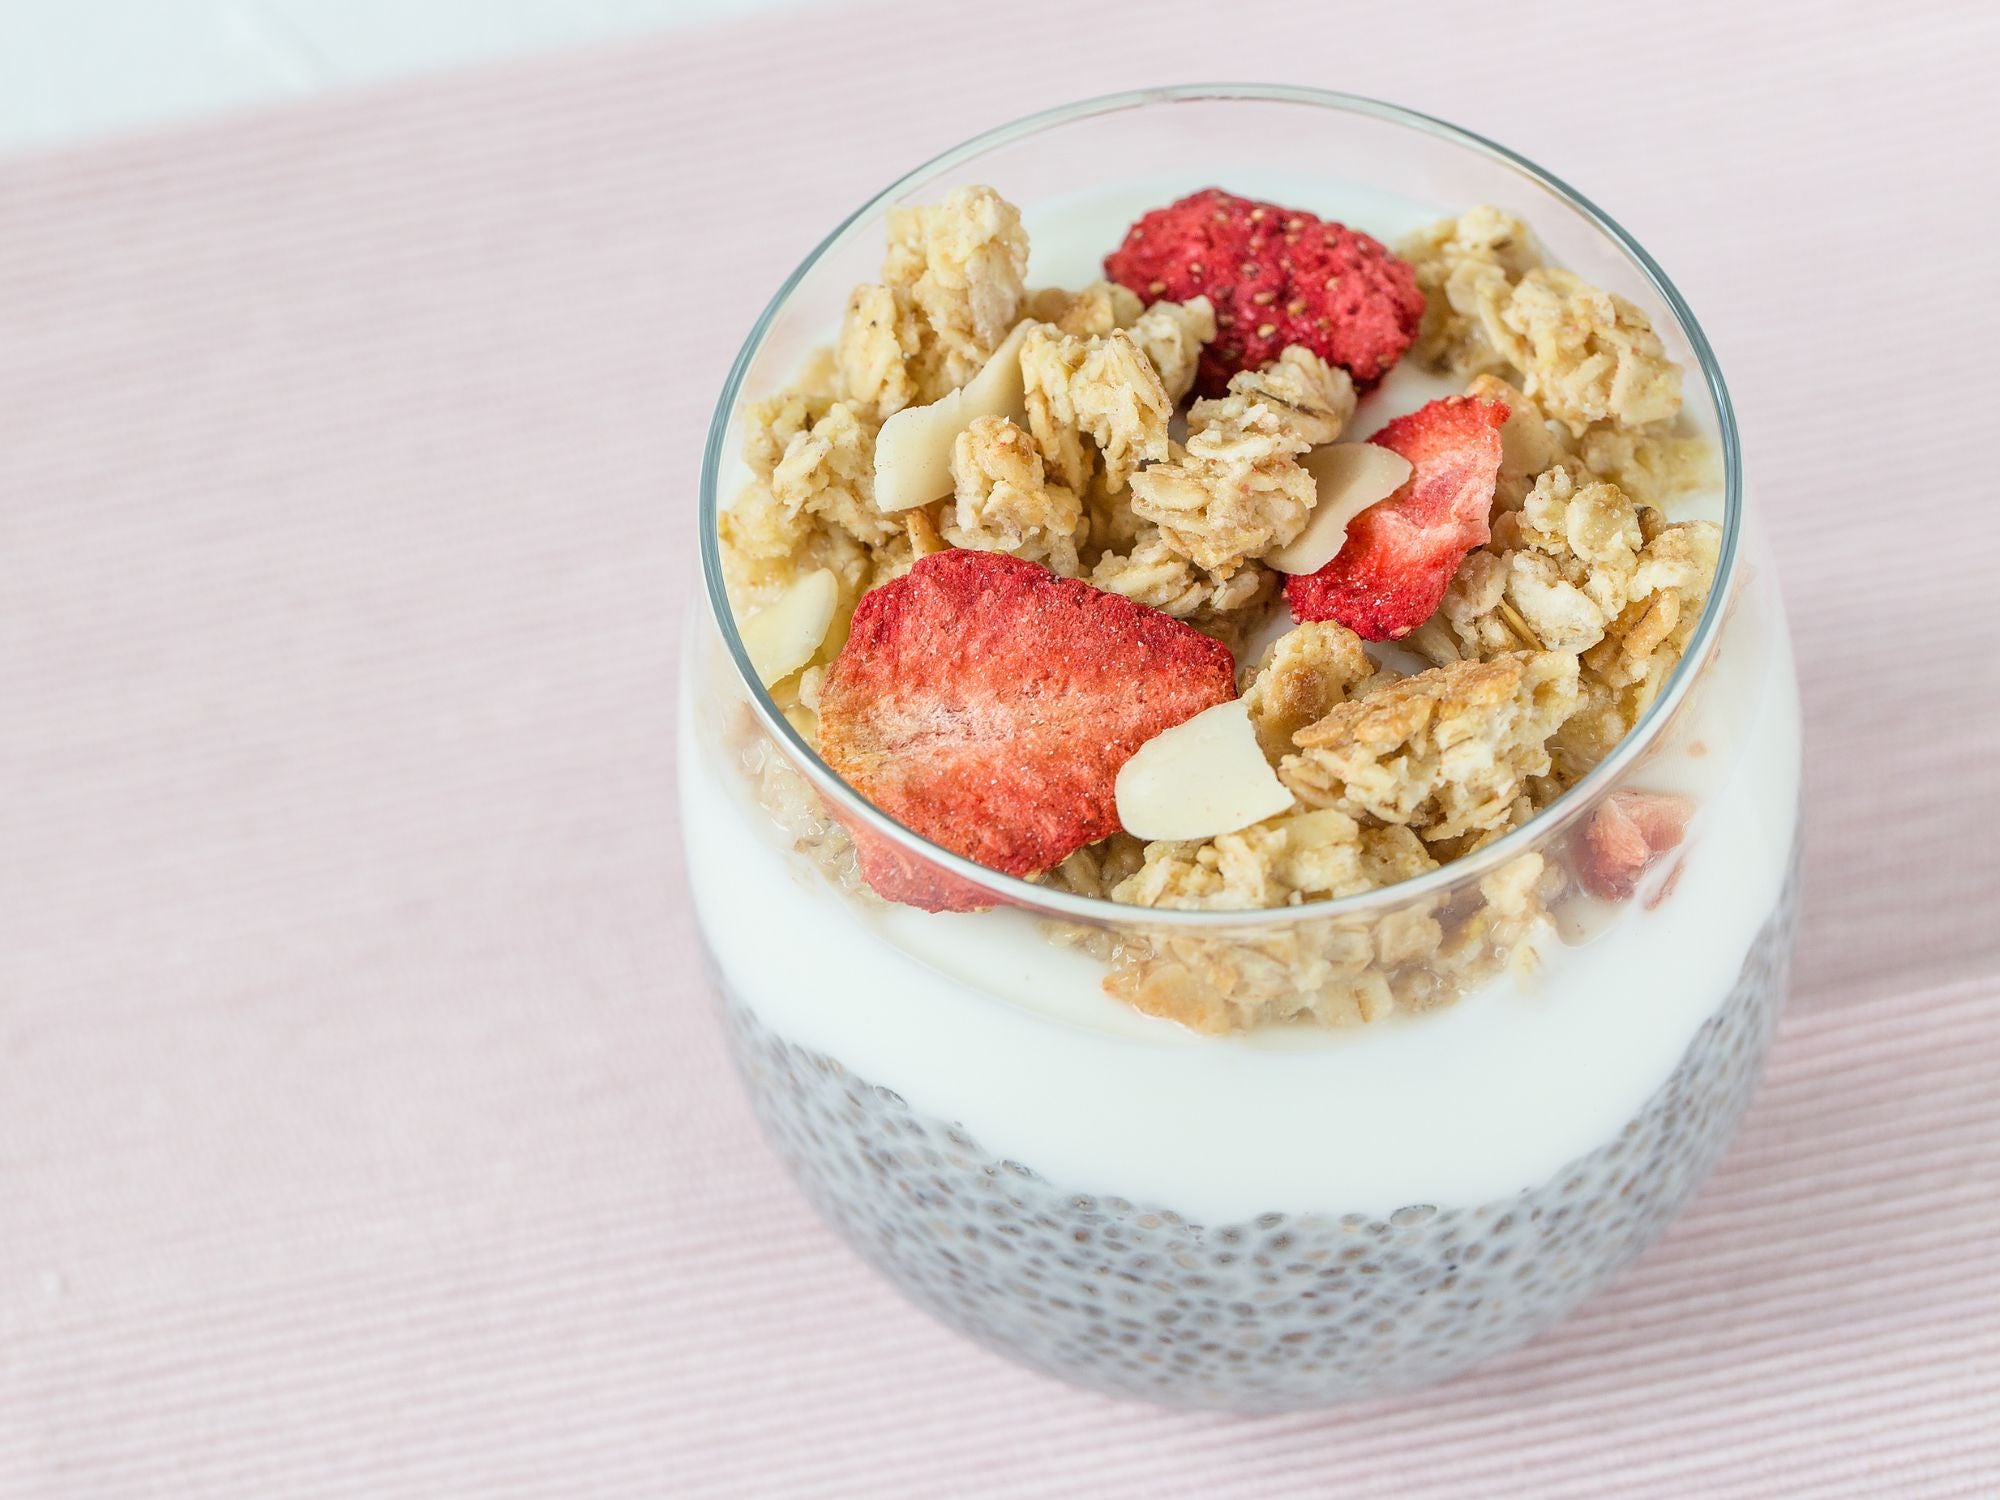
x=1239 y=755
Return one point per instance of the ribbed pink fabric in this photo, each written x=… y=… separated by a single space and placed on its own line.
x=364 y=1129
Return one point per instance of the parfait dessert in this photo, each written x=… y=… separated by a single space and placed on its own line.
x=1241 y=792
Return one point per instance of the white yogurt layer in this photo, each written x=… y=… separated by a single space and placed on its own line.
x=978 y=1019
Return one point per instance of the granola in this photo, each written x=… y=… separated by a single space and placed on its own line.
x=1588 y=362
x=828 y=471
x=1100 y=388
x=1552 y=639
x=1005 y=502
x=1302 y=677
x=1466 y=268
x=1157 y=573
x=951 y=290
x=1341 y=971
x=1236 y=489
x=1445 y=753
x=1171 y=335
x=1093 y=312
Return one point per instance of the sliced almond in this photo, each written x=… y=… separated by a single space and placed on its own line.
x=1201 y=778
x=783 y=635
x=913 y=449
x=1350 y=477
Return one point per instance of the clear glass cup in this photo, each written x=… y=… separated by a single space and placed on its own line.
x=1275 y=1219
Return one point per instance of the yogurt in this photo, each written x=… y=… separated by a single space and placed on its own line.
x=978 y=1019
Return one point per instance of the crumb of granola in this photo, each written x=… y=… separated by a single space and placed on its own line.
x=770 y=425
x=1296 y=402
x=766 y=546
x=880 y=343
x=1005 y=502
x=1272 y=863
x=1172 y=335
x=1652 y=464
x=961 y=261
x=1624 y=672
x=1588 y=359
x=1341 y=970
x=1466 y=268
x=1103 y=389
x=922 y=529
x=1237 y=490
x=1096 y=310
x=1445 y=752
x=1155 y=573
x=793 y=802
x=1302 y=677
x=1567 y=569
x=1225 y=504
x=829 y=471
x=1095 y=868
x=950 y=291
x=1587 y=355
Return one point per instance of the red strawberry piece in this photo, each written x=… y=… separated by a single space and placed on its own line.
x=1276 y=276
x=1390 y=575
x=1627 y=832
x=988 y=705
x=899 y=874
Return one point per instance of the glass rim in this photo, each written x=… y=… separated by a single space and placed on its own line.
x=1011 y=890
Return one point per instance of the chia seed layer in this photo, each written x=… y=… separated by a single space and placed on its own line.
x=1282 y=1312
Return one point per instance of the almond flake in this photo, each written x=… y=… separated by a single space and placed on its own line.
x=913 y=449
x=1202 y=778
x=1349 y=477
x=782 y=636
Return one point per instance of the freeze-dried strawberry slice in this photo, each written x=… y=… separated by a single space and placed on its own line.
x=1277 y=276
x=898 y=874
x=1391 y=573
x=988 y=704
x=1626 y=833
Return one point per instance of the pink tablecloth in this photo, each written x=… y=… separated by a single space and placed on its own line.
x=364 y=1129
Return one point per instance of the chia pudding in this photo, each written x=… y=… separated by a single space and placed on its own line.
x=1242 y=787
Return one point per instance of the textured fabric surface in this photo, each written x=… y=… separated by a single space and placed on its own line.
x=364 y=1125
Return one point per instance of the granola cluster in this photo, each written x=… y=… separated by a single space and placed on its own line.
x=1004 y=500
x=1590 y=366
x=1581 y=570
x=1335 y=971
x=1552 y=640
x=1236 y=489
x=950 y=291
